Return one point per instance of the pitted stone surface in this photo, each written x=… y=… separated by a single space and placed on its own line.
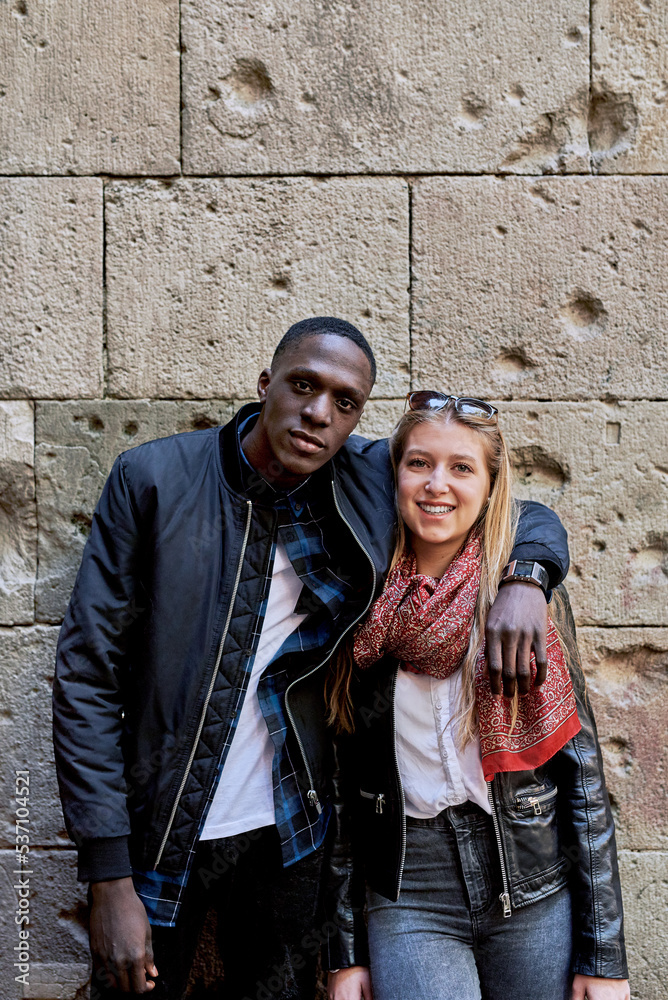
x=629 y=124
x=627 y=678
x=76 y=447
x=57 y=921
x=18 y=524
x=645 y=888
x=89 y=86
x=596 y=465
x=50 y=286
x=540 y=288
x=204 y=277
x=293 y=87
x=27 y=656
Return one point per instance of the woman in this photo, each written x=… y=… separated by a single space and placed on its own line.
x=482 y=825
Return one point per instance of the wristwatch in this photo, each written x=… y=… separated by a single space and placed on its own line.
x=527 y=572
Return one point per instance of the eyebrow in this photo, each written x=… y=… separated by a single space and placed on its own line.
x=313 y=376
x=454 y=458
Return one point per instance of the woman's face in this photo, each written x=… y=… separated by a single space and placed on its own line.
x=442 y=485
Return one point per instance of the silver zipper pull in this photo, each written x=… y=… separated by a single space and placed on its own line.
x=313 y=799
x=380 y=802
x=536 y=807
x=505 y=902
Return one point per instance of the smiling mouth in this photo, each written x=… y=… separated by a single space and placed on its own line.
x=435 y=508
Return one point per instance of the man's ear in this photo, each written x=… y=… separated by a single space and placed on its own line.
x=263 y=384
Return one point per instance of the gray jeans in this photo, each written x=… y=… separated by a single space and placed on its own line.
x=446 y=937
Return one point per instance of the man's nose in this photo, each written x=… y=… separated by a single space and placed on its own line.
x=318 y=411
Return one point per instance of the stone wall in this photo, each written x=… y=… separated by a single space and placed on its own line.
x=480 y=187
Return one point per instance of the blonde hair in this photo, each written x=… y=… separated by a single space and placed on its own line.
x=497 y=524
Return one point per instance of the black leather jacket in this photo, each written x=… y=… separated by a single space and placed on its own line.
x=554 y=826
x=157 y=632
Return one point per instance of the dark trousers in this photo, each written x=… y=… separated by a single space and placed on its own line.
x=268 y=919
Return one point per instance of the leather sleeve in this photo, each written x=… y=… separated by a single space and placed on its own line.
x=541 y=537
x=588 y=831
x=91 y=661
x=344 y=887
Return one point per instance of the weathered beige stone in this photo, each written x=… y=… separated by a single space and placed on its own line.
x=628 y=125
x=541 y=288
x=205 y=276
x=57 y=926
x=18 y=524
x=598 y=467
x=50 y=286
x=89 y=87
x=76 y=447
x=645 y=888
x=465 y=86
x=58 y=981
x=27 y=658
x=627 y=676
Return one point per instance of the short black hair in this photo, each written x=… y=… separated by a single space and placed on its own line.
x=318 y=325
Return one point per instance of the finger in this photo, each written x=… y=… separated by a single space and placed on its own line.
x=494 y=662
x=509 y=668
x=524 y=667
x=123 y=980
x=540 y=652
x=138 y=977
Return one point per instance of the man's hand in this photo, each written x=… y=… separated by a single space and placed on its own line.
x=120 y=937
x=350 y=984
x=593 y=988
x=516 y=624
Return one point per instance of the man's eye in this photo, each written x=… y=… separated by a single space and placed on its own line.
x=346 y=404
x=301 y=385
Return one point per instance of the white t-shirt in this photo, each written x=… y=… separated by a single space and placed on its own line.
x=434 y=772
x=244 y=798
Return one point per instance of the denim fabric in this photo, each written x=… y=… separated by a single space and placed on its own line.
x=270 y=926
x=446 y=937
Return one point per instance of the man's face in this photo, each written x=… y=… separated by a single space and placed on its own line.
x=313 y=399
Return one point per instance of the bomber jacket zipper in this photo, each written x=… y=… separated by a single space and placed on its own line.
x=312 y=794
x=211 y=684
x=505 y=895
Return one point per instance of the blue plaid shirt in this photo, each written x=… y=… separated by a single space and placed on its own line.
x=301 y=527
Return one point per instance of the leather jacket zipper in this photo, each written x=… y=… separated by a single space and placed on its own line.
x=312 y=794
x=535 y=802
x=505 y=895
x=378 y=798
x=211 y=684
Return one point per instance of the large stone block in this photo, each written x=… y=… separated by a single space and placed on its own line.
x=627 y=676
x=346 y=87
x=89 y=87
x=645 y=887
x=27 y=659
x=205 y=276
x=76 y=447
x=58 y=939
x=50 y=286
x=628 y=122
x=541 y=288
x=18 y=523
x=598 y=467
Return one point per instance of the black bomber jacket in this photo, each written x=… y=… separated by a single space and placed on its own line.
x=554 y=826
x=153 y=643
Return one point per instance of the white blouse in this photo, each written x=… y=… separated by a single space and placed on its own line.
x=434 y=772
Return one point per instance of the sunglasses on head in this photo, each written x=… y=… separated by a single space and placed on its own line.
x=430 y=399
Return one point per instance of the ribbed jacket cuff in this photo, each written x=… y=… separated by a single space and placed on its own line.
x=103 y=859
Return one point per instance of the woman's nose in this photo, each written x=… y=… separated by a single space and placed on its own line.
x=438 y=483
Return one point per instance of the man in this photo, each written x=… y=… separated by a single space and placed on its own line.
x=223 y=569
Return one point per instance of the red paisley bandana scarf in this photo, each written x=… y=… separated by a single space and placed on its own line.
x=426 y=623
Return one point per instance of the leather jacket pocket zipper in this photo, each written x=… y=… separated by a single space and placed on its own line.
x=535 y=802
x=379 y=799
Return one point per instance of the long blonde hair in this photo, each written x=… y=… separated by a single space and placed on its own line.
x=497 y=523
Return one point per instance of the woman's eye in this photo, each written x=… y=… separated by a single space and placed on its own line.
x=417 y=463
x=461 y=467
